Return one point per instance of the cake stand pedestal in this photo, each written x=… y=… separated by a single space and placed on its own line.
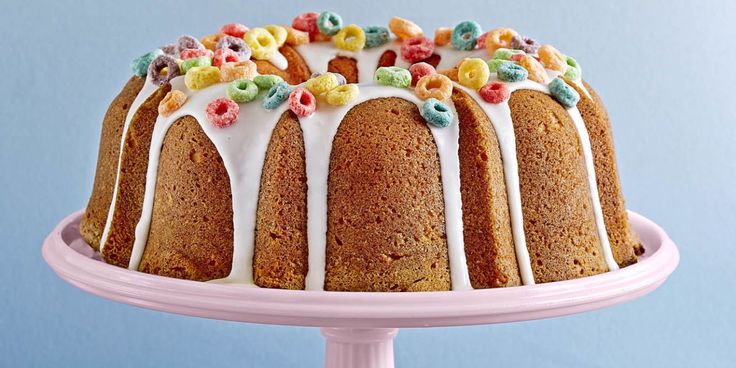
x=359 y=327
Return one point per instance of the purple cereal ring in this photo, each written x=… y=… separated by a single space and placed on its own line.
x=170 y=49
x=158 y=64
x=526 y=44
x=235 y=44
x=188 y=42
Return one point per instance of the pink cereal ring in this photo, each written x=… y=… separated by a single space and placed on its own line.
x=481 y=41
x=307 y=22
x=517 y=57
x=234 y=29
x=494 y=92
x=302 y=102
x=499 y=38
x=222 y=112
x=223 y=56
x=194 y=53
x=416 y=49
x=419 y=70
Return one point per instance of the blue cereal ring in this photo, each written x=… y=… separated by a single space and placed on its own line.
x=141 y=63
x=510 y=72
x=276 y=96
x=393 y=76
x=329 y=23
x=436 y=113
x=465 y=35
x=375 y=36
x=563 y=93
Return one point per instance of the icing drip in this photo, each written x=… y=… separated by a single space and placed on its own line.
x=278 y=60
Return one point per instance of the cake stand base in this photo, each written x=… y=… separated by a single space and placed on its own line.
x=360 y=327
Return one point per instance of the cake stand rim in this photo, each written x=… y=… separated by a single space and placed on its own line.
x=364 y=310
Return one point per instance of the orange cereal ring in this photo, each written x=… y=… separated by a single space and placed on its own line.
x=171 y=102
x=551 y=58
x=499 y=38
x=434 y=86
x=245 y=69
x=210 y=41
x=449 y=73
x=295 y=37
x=442 y=36
x=404 y=28
x=535 y=69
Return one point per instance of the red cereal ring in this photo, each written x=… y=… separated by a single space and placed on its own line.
x=194 y=53
x=494 y=92
x=307 y=22
x=302 y=102
x=222 y=112
x=517 y=57
x=481 y=41
x=223 y=56
x=419 y=70
x=417 y=49
x=234 y=29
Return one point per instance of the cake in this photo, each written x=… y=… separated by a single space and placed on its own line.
x=324 y=156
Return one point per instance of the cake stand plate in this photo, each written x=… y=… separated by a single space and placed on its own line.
x=360 y=327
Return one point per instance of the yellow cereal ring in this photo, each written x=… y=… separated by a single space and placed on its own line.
x=322 y=84
x=499 y=38
x=210 y=41
x=201 y=77
x=245 y=69
x=350 y=38
x=473 y=73
x=535 y=69
x=295 y=37
x=171 y=102
x=434 y=86
x=442 y=36
x=404 y=28
x=551 y=58
x=261 y=43
x=342 y=95
x=279 y=33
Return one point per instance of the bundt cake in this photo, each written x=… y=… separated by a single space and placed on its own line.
x=324 y=156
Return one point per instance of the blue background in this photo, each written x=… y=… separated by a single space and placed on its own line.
x=665 y=70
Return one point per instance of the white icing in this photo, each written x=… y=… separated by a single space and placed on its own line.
x=278 y=60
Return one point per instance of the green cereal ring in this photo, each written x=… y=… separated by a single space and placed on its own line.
x=506 y=54
x=191 y=63
x=573 y=70
x=393 y=76
x=493 y=64
x=266 y=81
x=242 y=90
x=375 y=36
x=141 y=63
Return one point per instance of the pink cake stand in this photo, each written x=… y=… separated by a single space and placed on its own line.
x=360 y=327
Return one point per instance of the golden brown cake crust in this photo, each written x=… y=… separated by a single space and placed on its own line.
x=561 y=232
x=489 y=244
x=132 y=181
x=346 y=66
x=385 y=221
x=191 y=235
x=95 y=216
x=280 y=259
x=297 y=71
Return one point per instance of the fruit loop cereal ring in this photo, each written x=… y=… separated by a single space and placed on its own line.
x=573 y=70
x=188 y=64
x=279 y=33
x=171 y=102
x=225 y=56
x=329 y=23
x=416 y=49
x=465 y=35
x=510 y=72
x=564 y=94
x=375 y=36
x=535 y=69
x=419 y=70
x=157 y=66
x=481 y=42
x=517 y=57
x=322 y=84
x=302 y=102
x=495 y=92
x=188 y=42
x=552 y=59
x=499 y=38
x=473 y=73
x=276 y=96
x=266 y=82
x=201 y=77
x=307 y=22
x=242 y=90
x=506 y=54
x=526 y=44
x=295 y=37
x=434 y=86
x=449 y=73
x=141 y=63
x=210 y=41
x=235 y=44
x=170 y=49
x=222 y=112
x=234 y=29
x=342 y=95
x=195 y=53
x=436 y=113
x=404 y=28
x=443 y=36
x=350 y=38
x=393 y=76
x=340 y=79
x=261 y=43
x=495 y=63
x=245 y=69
